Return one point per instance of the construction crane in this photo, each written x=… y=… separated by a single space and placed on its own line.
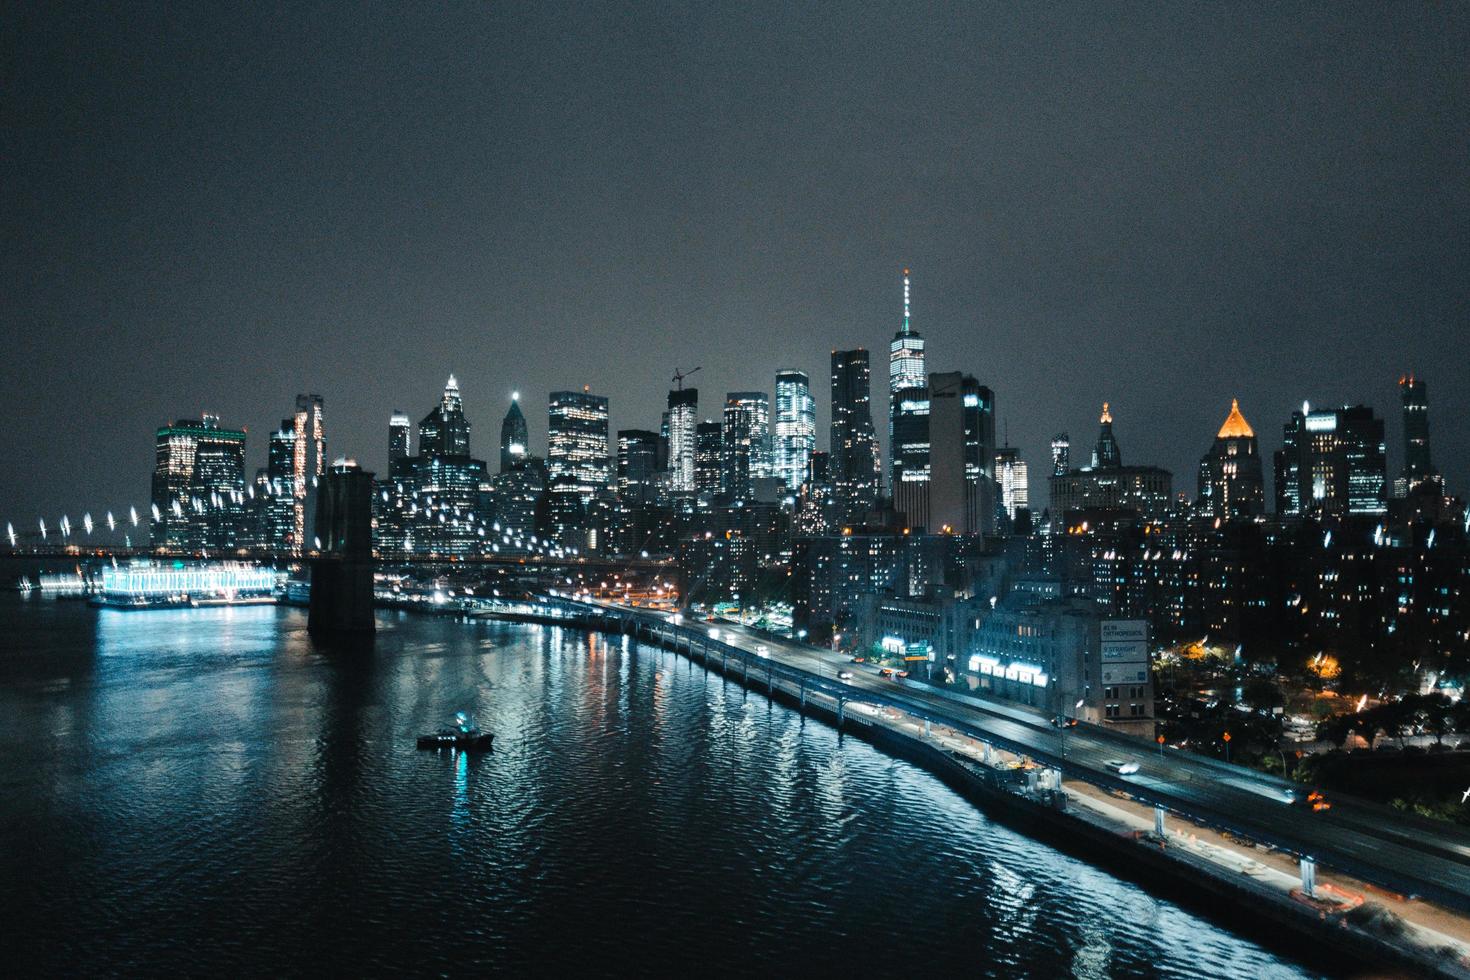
x=679 y=377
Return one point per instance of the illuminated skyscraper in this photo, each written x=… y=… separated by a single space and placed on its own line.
x=683 y=409
x=637 y=463
x=577 y=443
x=399 y=435
x=1010 y=473
x=446 y=492
x=515 y=440
x=708 y=449
x=854 y=445
x=280 y=506
x=796 y=427
x=757 y=405
x=307 y=467
x=1061 y=454
x=1417 y=465
x=1230 y=480
x=961 y=455
x=445 y=431
x=1331 y=462
x=199 y=486
x=908 y=453
x=737 y=446
x=905 y=376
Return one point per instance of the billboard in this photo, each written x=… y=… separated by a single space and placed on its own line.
x=1124 y=641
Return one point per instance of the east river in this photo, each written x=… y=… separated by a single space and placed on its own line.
x=208 y=792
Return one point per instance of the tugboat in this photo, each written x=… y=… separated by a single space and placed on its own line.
x=464 y=735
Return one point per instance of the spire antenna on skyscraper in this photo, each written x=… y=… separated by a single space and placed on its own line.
x=906 y=301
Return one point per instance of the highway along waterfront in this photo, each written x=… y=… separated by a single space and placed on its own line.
x=205 y=790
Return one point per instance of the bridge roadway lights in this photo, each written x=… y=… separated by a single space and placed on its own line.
x=1158 y=821
x=926 y=728
x=989 y=755
x=1309 y=877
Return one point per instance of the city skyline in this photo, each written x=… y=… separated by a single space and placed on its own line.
x=1083 y=239
x=1270 y=436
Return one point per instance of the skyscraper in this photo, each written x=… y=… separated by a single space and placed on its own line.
x=854 y=445
x=908 y=453
x=198 y=486
x=1230 y=480
x=307 y=468
x=1061 y=454
x=515 y=440
x=757 y=405
x=1105 y=454
x=796 y=427
x=683 y=411
x=1417 y=465
x=1331 y=462
x=637 y=463
x=446 y=491
x=399 y=434
x=737 y=450
x=1010 y=473
x=708 y=449
x=961 y=455
x=576 y=441
x=280 y=507
x=905 y=376
x=445 y=431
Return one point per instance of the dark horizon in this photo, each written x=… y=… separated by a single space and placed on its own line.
x=215 y=210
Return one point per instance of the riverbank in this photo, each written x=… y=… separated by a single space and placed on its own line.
x=1323 y=923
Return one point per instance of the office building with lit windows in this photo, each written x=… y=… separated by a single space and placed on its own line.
x=637 y=464
x=683 y=417
x=961 y=456
x=739 y=440
x=307 y=467
x=577 y=441
x=796 y=428
x=1230 y=479
x=1010 y=473
x=198 y=490
x=757 y=407
x=708 y=449
x=1418 y=468
x=515 y=439
x=854 y=444
x=400 y=431
x=1331 y=462
x=906 y=376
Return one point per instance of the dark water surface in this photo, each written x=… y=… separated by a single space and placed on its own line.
x=206 y=791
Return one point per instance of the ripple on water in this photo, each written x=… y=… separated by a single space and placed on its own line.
x=208 y=791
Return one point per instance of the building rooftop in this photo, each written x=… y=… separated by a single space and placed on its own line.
x=1235 y=427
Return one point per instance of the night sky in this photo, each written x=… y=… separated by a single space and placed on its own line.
x=212 y=207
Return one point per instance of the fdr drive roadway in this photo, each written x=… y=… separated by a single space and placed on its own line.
x=1396 y=851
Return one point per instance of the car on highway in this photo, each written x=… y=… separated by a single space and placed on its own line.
x=1062 y=721
x=844 y=675
x=1313 y=800
x=886 y=672
x=1121 y=767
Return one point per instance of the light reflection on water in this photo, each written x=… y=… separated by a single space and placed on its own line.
x=207 y=790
